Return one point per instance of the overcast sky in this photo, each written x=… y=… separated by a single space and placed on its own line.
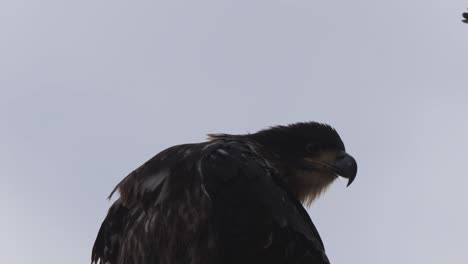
x=89 y=90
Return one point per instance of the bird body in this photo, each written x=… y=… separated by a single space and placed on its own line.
x=228 y=200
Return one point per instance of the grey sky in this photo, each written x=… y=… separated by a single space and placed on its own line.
x=89 y=90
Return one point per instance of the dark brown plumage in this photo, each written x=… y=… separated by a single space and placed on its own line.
x=233 y=199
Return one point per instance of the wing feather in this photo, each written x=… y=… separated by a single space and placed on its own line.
x=214 y=202
x=253 y=213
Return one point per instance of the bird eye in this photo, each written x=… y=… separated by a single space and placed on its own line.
x=311 y=147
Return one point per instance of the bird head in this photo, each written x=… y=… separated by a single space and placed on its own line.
x=309 y=157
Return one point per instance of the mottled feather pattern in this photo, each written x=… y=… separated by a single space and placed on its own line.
x=195 y=203
x=177 y=205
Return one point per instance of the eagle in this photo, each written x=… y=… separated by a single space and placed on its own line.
x=231 y=199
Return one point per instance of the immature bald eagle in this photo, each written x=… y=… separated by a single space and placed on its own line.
x=233 y=199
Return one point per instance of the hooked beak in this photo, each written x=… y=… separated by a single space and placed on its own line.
x=345 y=166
